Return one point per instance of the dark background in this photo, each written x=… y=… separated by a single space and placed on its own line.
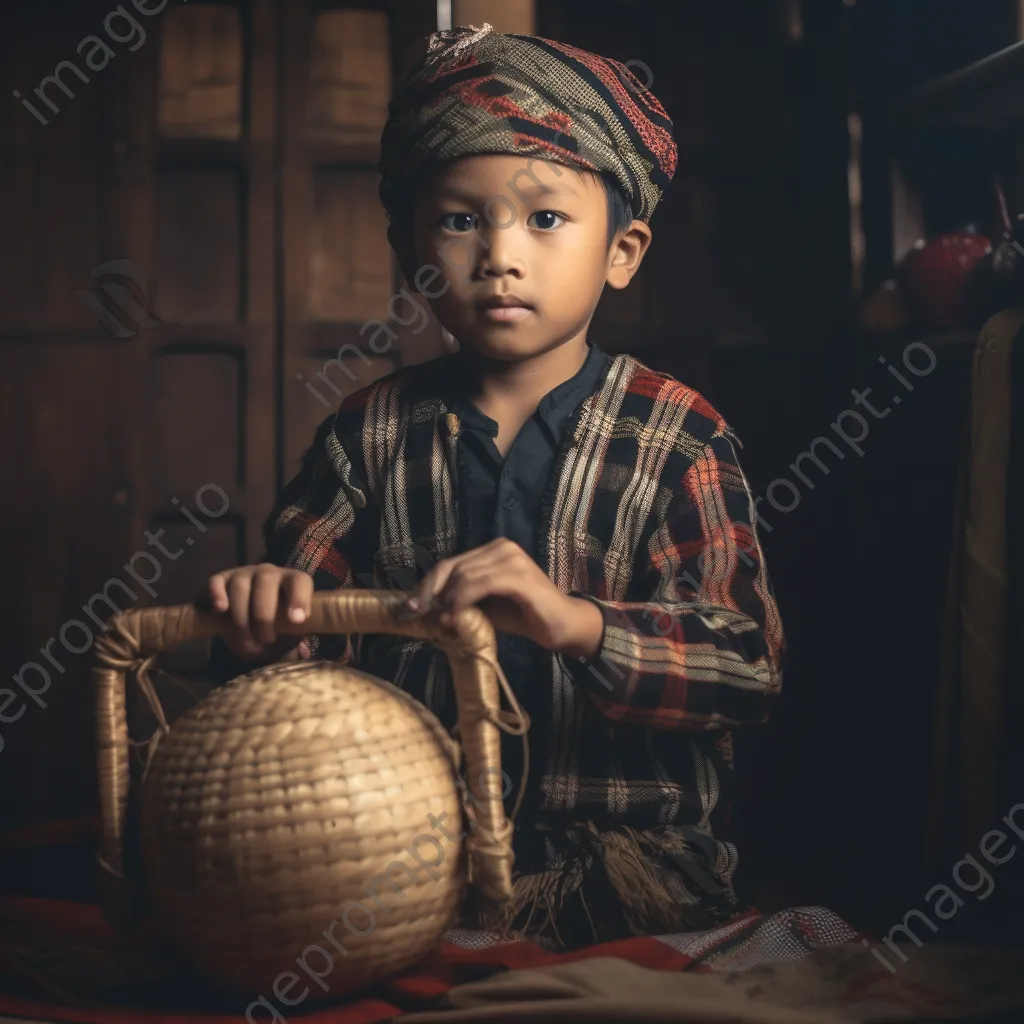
x=264 y=245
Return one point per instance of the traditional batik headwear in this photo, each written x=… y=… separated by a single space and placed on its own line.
x=478 y=91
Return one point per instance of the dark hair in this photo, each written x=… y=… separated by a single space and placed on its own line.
x=620 y=214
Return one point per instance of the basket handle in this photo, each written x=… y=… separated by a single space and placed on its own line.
x=469 y=643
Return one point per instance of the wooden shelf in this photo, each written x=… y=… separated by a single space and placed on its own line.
x=985 y=94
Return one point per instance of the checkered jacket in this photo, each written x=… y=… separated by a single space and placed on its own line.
x=647 y=513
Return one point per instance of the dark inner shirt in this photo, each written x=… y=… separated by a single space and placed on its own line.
x=505 y=494
x=504 y=498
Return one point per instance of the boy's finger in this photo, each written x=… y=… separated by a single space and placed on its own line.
x=238 y=587
x=493 y=554
x=487 y=563
x=218 y=592
x=473 y=585
x=490 y=559
x=422 y=598
x=266 y=595
x=298 y=589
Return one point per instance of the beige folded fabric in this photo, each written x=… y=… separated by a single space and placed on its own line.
x=833 y=986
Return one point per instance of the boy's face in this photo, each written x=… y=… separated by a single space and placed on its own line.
x=504 y=226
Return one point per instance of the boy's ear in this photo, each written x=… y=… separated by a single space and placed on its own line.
x=627 y=252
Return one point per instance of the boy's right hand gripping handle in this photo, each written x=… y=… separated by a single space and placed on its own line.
x=135 y=636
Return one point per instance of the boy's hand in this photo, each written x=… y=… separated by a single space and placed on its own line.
x=517 y=596
x=254 y=595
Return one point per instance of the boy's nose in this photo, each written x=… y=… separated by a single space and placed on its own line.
x=502 y=253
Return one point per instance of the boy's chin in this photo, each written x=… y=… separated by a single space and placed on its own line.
x=504 y=345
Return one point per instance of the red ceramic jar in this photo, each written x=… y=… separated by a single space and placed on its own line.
x=938 y=279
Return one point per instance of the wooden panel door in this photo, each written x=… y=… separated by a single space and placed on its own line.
x=188 y=232
x=199 y=184
x=137 y=352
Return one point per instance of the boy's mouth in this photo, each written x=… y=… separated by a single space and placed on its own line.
x=504 y=308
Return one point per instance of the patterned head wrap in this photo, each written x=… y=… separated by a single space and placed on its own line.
x=478 y=91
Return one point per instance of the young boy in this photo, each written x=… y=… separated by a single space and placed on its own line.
x=592 y=507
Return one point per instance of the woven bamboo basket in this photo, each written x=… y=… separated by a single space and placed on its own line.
x=305 y=817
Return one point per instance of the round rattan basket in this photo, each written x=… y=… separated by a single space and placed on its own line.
x=306 y=818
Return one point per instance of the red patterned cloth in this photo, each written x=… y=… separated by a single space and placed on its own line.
x=61 y=962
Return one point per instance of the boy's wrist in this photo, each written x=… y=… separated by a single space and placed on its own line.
x=582 y=629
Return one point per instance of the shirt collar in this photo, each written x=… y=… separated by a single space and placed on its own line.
x=562 y=401
x=555 y=408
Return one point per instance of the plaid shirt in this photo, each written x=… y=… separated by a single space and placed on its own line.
x=647 y=514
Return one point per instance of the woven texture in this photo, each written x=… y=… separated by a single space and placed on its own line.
x=748 y=941
x=756 y=940
x=296 y=798
x=479 y=91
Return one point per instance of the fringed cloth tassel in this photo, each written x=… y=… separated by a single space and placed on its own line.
x=612 y=884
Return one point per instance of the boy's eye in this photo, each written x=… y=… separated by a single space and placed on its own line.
x=459 y=221
x=543 y=219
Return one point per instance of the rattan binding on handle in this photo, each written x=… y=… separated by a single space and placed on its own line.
x=135 y=636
